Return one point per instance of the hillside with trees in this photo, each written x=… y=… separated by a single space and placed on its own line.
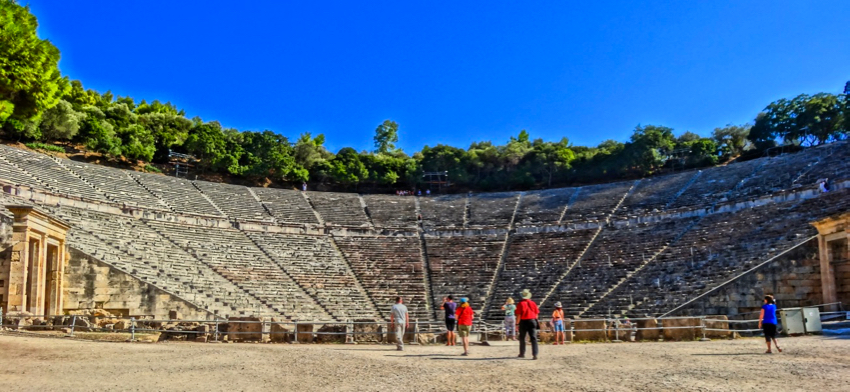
x=41 y=107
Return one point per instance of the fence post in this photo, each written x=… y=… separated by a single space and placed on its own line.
x=132 y=329
x=349 y=332
x=73 y=324
x=660 y=325
x=295 y=333
x=702 y=323
x=616 y=332
x=415 y=331
x=215 y=333
x=1 y=317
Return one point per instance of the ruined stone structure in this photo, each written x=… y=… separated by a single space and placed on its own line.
x=137 y=244
x=834 y=256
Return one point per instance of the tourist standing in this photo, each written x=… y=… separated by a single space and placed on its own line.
x=767 y=322
x=510 y=319
x=558 y=324
x=399 y=322
x=526 y=314
x=464 y=323
x=304 y=186
x=450 y=307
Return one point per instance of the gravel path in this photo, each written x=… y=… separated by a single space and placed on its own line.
x=39 y=364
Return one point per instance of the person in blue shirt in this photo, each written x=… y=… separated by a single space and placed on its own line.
x=767 y=322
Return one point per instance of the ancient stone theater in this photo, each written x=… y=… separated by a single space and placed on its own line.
x=77 y=236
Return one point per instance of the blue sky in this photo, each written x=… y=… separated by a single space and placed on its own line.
x=455 y=72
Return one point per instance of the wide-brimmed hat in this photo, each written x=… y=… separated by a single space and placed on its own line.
x=526 y=294
x=510 y=300
x=558 y=304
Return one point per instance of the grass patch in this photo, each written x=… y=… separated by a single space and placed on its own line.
x=152 y=169
x=45 y=147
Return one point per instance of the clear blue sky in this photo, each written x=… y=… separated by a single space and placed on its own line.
x=453 y=72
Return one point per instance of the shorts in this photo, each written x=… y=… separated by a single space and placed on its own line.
x=769 y=331
x=558 y=325
x=450 y=324
x=463 y=330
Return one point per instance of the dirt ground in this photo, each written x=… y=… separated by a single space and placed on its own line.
x=41 y=363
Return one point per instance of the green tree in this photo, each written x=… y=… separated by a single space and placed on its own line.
x=31 y=82
x=550 y=158
x=386 y=135
x=61 y=122
x=347 y=168
x=136 y=142
x=206 y=142
x=310 y=151
x=732 y=139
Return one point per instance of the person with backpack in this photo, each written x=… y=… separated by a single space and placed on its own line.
x=526 y=315
x=464 y=323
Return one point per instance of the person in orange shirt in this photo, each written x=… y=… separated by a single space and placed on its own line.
x=558 y=324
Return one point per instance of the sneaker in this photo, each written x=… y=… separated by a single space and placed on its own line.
x=535 y=358
x=521 y=356
x=464 y=355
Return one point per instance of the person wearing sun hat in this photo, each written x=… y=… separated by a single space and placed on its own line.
x=464 y=323
x=558 y=324
x=526 y=317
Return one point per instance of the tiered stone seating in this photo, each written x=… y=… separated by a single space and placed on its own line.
x=595 y=203
x=287 y=205
x=616 y=253
x=536 y=262
x=343 y=209
x=492 y=209
x=833 y=163
x=178 y=193
x=233 y=255
x=317 y=267
x=776 y=175
x=12 y=175
x=652 y=194
x=234 y=200
x=714 y=184
x=443 y=211
x=132 y=247
x=716 y=249
x=116 y=184
x=543 y=207
x=463 y=266
x=388 y=267
x=55 y=177
x=391 y=211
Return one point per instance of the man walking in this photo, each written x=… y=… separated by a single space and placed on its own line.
x=526 y=316
x=450 y=307
x=464 y=323
x=399 y=322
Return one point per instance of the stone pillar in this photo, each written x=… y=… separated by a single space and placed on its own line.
x=834 y=228
x=827 y=272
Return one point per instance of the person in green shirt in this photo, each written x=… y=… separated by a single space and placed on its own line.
x=510 y=319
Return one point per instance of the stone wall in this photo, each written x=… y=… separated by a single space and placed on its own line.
x=793 y=278
x=842 y=282
x=92 y=284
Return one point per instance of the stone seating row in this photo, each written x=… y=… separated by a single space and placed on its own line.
x=443 y=211
x=236 y=201
x=391 y=211
x=595 y=203
x=654 y=193
x=178 y=193
x=536 y=262
x=777 y=174
x=132 y=247
x=344 y=209
x=317 y=267
x=116 y=184
x=388 y=267
x=463 y=266
x=615 y=254
x=491 y=209
x=543 y=207
x=233 y=255
x=46 y=171
x=287 y=205
x=714 y=184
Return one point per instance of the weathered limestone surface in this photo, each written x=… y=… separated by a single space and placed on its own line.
x=590 y=335
x=647 y=334
x=673 y=329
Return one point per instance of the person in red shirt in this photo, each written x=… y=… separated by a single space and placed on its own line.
x=464 y=315
x=526 y=318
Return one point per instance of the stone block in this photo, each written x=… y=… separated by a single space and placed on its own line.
x=647 y=334
x=366 y=331
x=598 y=336
x=331 y=333
x=304 y=333
x=674 y=329
x=717 y=325
x=173 y=314
x=281 y=333
x=245 y=329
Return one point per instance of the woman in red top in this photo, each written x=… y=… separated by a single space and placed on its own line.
x=526 y=317
x=464 y=315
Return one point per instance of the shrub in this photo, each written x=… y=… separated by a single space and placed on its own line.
x=45 y=147
x=153 y=169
